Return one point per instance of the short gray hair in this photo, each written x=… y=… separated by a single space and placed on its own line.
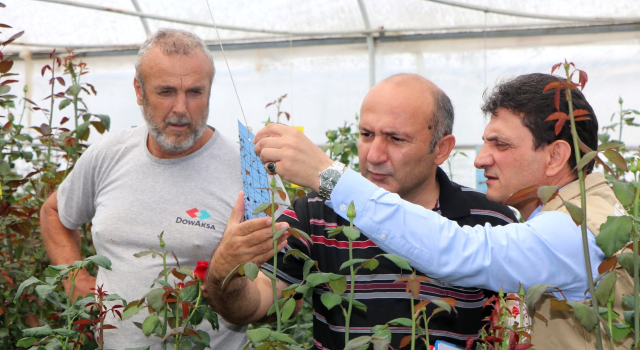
x=442 y=117
x=173 y=41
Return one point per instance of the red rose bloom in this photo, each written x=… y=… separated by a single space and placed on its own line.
x=200 y=271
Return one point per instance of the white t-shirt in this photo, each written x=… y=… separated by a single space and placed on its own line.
x=131 y=197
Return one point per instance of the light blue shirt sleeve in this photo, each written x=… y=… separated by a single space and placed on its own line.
x=547 y=249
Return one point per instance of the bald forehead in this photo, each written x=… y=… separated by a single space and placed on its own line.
x=411 y=81
x=408 y=93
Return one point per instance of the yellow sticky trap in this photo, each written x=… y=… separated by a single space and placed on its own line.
x=301 y=128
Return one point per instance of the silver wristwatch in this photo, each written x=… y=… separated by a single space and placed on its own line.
x=329 y=178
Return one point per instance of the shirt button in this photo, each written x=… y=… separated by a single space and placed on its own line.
x=383 y=236
x=343 y=207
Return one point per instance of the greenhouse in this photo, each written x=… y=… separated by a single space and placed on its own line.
x=67 y=82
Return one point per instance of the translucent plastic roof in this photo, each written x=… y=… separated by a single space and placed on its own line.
x=63 y=23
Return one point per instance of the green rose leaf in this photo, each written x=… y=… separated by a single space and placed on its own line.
x=575 y=211
x=619 y=331
x=101 y=261
x=400 y=262
x=584 y=314
x=82 y=130
x=258 y=335
x=351 y=233
x=154 y=299
x=26 y=342
x=297 y=253
x=315 y=279
x=64 y=332
x=212 y=317
x=150 y=323
x=334 y=231
x=533 y=295
x=351 y=263
x=189 y=293
x=586 y=159
x=251 y=270
x=371 y=264
x=401 y=321
x=616 y=159
x=31 y=280
x=610 y=145
x=307 y=267
x=304 y=289
x=272 y=309
x=624 y=192
x=627 y=299
x=142 y=253
x=329 y=300
x=64 y=103
x=261 y=208
x=443 y=304
x=299 y=233
x=339 y=286
x=268 y=274
x=44 y=290
x=105 y=120
x=626 y=260
x=203 y=339
x=279 y=233
x=282 y=337
x=287 y=309
x=53 y=344
x=604 y=288
x=546 y=193
x=38 y=332
x=73 y=90
x=358 y=342
x=614 y=234
x=358 y=304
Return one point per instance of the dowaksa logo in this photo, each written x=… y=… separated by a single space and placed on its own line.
x=198 y=215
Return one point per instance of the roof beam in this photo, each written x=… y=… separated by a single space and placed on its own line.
x=531 y=15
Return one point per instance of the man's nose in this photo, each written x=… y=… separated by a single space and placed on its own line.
x=378 y=151
x=483 y=159
x=180 y=104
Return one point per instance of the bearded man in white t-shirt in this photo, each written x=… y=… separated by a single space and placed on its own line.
x=175 y=175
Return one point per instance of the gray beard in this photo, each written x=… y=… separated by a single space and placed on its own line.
x=159 y=132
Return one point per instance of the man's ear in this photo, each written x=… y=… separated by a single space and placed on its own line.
x=444 y=148
x=559 y=153
x=139 y=93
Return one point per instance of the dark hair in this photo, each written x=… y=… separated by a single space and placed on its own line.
x=523 y=96
x=442 y=117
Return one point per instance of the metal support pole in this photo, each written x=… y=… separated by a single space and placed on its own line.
x=372 y=60
x=370 y=44
x=142 y=19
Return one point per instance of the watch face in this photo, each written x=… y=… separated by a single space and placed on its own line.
x=329 y=179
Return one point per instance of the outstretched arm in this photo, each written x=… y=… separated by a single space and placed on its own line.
x=240 y=300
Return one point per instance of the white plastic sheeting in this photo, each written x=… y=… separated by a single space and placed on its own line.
x=326 y=83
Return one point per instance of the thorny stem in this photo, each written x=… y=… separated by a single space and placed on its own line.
x=636 y=264
x=413 y=325
x=275 y=261
x=426 y=325
x=53 y=83
x=101 y=340
x=621 y=117
x=166 y=305
x=186 y=322
x=610 y=318
x=583 y=205
x=351 y=289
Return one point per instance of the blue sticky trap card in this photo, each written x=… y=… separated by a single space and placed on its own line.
x=443 y=345
x=254 y=175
